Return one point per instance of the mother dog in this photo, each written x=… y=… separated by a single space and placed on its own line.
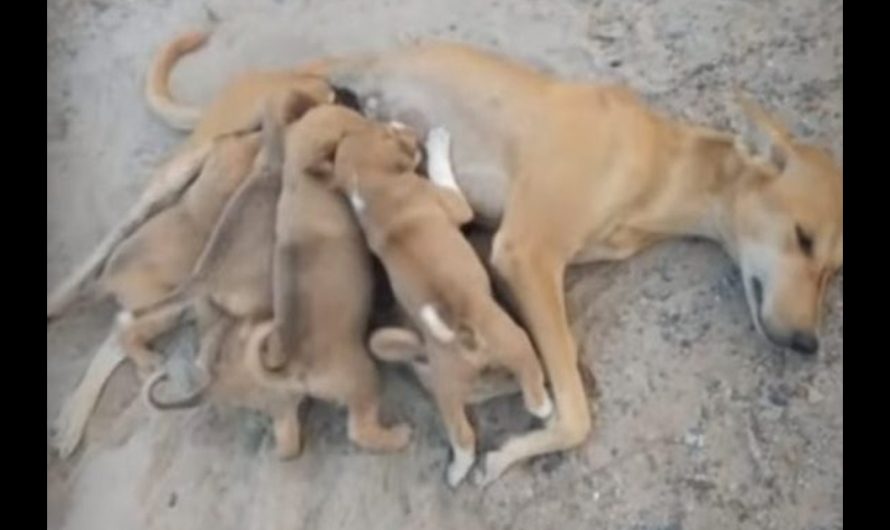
x=572 y=173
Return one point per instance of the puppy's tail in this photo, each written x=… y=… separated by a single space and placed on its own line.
x=189 y=401
x=255 y=353
x=157 y=86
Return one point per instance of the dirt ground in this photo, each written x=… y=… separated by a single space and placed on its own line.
x=700 y=423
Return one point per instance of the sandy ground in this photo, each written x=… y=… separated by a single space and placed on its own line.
x=701 y=424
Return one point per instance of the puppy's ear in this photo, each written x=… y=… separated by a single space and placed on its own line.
x=396 y=345
x=295 y=105
x=323 y=167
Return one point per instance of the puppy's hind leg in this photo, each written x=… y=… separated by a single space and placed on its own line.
x=70 y=424
x=362 y=390
x=286 y=426
x=451 y=402
x=512 y=348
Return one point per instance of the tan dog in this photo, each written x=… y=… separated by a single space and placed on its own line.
x=152 y=252
x=322 y=294
x=412 y=225
x=579 y=172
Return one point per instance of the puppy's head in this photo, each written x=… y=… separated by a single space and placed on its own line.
x=787 y=229
x=379 y=151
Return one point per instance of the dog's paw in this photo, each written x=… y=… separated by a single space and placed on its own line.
x=438 y=140
x=459 y=467
x=389 y=440
x=494 y=464
x=544 y=410
x=399 y=436
x=67 y=429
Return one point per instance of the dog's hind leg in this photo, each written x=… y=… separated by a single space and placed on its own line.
x=70 y=424
x=164 y=190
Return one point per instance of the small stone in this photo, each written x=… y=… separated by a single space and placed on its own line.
x=814 y=396
x=693 y=439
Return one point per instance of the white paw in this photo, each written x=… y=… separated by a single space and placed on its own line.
x=544 y=410
x=494 y=465
x=460 y=466
x=69 y=426
x=438 y=140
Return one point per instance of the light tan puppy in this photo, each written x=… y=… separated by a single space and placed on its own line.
x=145 y=266
x=233 y=384
x=578 y=172
x=322 y=288
x=412 y=225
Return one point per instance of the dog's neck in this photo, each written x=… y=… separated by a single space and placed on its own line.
x=708 y=171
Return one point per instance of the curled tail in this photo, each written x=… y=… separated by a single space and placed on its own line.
x=255 y=353
x=157 y=86
x=191 y=400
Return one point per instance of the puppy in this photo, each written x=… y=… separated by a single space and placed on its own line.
x=412 y=225
x=233 y=384
x=151 y=262
x=322 y=288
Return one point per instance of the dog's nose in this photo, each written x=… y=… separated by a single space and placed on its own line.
x=804 y=342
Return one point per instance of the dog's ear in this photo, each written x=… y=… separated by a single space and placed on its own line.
x=323 y=168
x=295 y=105
x=763 y=137
x=396 y=345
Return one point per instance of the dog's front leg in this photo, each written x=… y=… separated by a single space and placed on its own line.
x=534 y=276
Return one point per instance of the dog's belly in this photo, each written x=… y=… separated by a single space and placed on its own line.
x=477 y=150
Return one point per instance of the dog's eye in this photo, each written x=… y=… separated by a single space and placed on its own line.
x=804 y=240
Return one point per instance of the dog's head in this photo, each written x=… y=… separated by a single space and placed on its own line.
x=380 y=151
x=787 y=229
x=311 y=142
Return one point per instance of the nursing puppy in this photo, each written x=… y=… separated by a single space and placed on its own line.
x=322 y=294
x=150 y=264
x=412 y=225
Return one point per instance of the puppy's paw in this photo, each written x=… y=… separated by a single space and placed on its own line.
x=386 y=440
x=460 y=466
x=397 y=437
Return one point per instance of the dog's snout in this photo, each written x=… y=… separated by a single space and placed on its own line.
x=804 y=342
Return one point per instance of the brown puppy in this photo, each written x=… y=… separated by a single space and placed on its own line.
x=412 y=225
x=323 y=285
x=233 y=384
x=158 y=256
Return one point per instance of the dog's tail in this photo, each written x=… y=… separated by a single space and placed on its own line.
x=157 y=86
x=255 y=359
x=191 y=400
